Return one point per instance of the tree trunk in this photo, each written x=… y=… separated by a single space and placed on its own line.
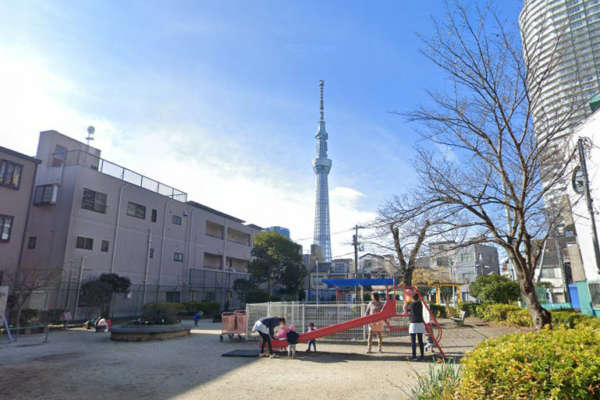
x=539 y=315
x=408 y=273
x=18 y=322
x=270 y=286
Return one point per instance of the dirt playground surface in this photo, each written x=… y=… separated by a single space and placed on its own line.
x=78 y=364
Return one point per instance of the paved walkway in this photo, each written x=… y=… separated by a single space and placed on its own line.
x=79 y=364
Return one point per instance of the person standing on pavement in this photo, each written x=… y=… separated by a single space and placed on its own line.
x=376 y=328
x=416 y=329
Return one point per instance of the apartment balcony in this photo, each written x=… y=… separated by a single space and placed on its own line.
x=85 y=159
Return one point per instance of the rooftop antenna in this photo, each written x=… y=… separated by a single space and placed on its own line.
x=321 y=85
x=90 y=136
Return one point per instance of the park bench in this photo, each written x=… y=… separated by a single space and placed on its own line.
x=460 y=319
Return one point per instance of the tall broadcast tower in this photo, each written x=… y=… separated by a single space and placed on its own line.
x=322 y=166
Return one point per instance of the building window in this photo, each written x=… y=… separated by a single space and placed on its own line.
x=154 y=215
x=31 y=242
x=136 y=210
x=10 y=174
x=595 y=294
x=178 y=257
x=93 y=201
x=176 y=219
x=6 y=224
x=45 y=195
x=84 y=243
x=104 y=246
x=59 y=156
x=151 y=253
x=173 y=297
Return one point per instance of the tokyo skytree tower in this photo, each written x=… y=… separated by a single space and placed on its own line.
x=322 y=166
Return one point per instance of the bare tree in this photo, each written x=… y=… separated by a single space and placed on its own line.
x=495 y=173
x=23 y=283
x=411 y=224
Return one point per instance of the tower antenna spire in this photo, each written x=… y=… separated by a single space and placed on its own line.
x=321 y=85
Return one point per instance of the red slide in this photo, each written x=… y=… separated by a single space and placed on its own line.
x=388 y=311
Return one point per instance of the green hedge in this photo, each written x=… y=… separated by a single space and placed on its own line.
x=208 y=308
x=548 y=364
x=438 y=311
x=498 y=312
x=28 y=315
x=469 y=307
x=162 y=313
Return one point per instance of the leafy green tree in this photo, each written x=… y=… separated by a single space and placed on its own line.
x=99 y=292
x=495 y=289
x=276 y=259
x=242 y=287
x=119 y=284
x=96 y=293
x=293 y=279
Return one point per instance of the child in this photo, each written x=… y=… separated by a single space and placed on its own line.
x=292 y=338
x=428 y=342
x=283 y=331
x=197 y=317
x=311 y=327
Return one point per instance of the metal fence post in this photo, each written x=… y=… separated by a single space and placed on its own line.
x=303 y=315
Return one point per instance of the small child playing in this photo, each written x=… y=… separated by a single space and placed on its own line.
x=283 y=331
x=313 y=342
x=292 y=338
x=428 y=342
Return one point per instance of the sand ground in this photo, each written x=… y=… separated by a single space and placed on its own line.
x=78 y=364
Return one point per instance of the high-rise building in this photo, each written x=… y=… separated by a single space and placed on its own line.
x=562 y=37
x=322 y=166
x=279 y=229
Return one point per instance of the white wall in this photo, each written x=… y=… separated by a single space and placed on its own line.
x=591 y=129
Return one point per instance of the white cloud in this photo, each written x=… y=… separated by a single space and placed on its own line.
x=212 y=168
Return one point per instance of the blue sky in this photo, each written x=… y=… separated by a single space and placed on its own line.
x=220 y=99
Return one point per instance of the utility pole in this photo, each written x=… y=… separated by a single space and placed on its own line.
x=588 y=197
x=355 y=244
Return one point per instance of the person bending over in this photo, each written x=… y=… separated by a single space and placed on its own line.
x=266 y=329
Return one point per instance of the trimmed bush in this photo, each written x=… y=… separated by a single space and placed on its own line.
x=162 y=313
x=28 y=315
x=469 y=307
x=480 y=310
x=499 y=312
x=440 y=383
x=520 y=317
x=548 y=364
x=208 y=308
x=568 y=319
x=438 y=310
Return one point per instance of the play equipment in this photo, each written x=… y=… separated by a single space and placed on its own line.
x=233 y=323
x=438 y=290
x=388 y=312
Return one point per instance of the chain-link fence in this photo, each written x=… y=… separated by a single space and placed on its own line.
x=322 y=315
x=205 y=285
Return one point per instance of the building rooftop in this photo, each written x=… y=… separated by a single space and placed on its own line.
x=19 y=155
x=83 y=158
x=213 y=211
